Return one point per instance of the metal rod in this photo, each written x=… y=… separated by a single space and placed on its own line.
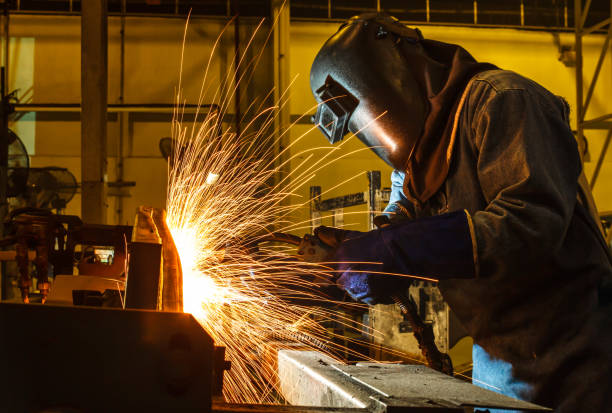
x=427 y=11
x=7 y=47
x=600 y=159
x=237 y=67
x=297 y=19
x=111 y=107
x=475 y=12
x=4 y=144
x=579 y=87
x=585 y=13
x=281 y=40
x=595 y=27
x=119 y=162
x=602 y=55
x=522 y=13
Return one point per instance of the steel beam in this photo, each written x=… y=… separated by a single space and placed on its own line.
x=282 y=118
x=94 y=89
x=579 y=79
x=601 y=158
x=310 y=378
x=582 y=104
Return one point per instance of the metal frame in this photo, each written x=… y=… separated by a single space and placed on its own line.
x=373 y=197
x=280 y=20
x=582 y=102
x=328 y=18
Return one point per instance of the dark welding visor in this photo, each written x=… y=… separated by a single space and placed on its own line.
x=335 y=110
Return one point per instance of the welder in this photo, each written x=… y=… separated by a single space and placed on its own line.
x=488 y=197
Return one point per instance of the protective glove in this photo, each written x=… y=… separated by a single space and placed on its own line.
x=437 y=247
x=321 y=247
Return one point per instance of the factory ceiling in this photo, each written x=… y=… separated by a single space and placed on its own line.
x=532 y=14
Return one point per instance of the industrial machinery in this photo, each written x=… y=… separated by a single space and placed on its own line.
x=391 y=320
x=114 y=338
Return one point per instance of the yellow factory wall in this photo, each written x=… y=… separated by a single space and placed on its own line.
x=45 y=66
x=531 y=53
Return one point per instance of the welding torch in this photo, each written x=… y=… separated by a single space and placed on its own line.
x=310 y=247
x=315 y=248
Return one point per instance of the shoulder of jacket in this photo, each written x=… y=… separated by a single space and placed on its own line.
x=503 y=80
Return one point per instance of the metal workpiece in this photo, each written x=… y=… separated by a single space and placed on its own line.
x=172 y=272
x=98 y=360
x=309 y=378
x=155 y=276
x=143 y=288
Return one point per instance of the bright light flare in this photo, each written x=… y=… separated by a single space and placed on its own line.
x=224 y=191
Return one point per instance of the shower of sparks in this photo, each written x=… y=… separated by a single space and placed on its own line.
x=224 y=192
x=246 y=300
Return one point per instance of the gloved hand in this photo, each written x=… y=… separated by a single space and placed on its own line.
x=324 y=247
x=321 y=247
x=437 y=247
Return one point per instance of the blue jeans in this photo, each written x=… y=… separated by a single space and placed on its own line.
x=496 y=375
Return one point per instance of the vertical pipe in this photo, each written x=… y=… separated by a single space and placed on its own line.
x=475 y=12
x=94 y=87
x=565 y=19
x=282 y=119
x=578 y=47
x=329 y=9
x=237 y=67
x=7 y=47
x=4 y=108
x=122 y=115
x=427 y=10
x=4 y=112
x=522 y=13
x=4 y=117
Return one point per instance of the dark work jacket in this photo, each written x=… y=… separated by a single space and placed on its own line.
x=537 y=301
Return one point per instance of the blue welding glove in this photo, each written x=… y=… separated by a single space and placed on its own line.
x=437 y=247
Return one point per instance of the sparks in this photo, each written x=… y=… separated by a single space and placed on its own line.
x=225 y=190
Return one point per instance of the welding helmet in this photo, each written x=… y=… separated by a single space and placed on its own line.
x=363 y=83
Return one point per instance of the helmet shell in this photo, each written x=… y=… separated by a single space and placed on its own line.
x=363 y=82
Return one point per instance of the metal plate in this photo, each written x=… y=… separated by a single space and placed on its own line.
x=400 y=381
x=309 y=378
x=102 y=360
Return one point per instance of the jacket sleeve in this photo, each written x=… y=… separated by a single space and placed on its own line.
x=433 y=248
x=528 y=166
